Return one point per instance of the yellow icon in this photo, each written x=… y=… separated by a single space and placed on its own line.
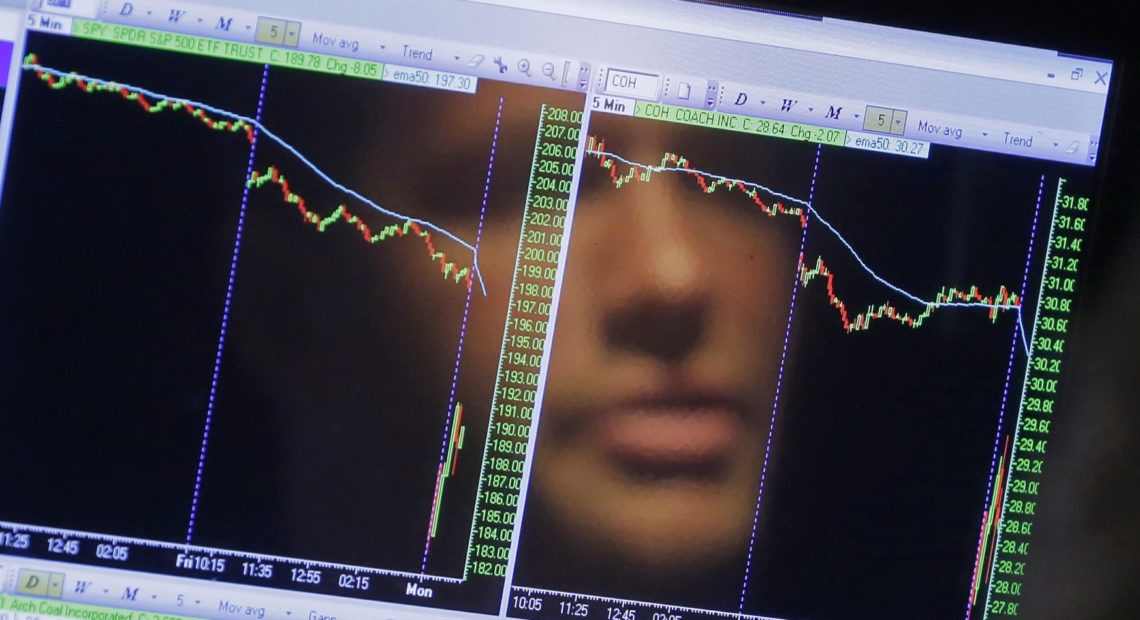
x=40 y=583
x=33 y=582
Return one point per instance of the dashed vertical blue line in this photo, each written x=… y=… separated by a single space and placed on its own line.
x=1017 y=331
x=265 y=131
x=823 y=222
x=463 y=325
x=225 y=315
x=779 y=382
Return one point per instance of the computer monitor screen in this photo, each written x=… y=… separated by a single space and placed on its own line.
x=648 y=311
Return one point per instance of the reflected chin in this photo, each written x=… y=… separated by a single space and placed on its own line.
x=664 y=522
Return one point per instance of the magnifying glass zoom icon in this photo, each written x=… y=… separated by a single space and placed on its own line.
x=524 y=66
x=548 y=70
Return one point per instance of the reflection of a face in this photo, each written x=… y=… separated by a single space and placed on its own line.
x=666 y=352
x=668 y=340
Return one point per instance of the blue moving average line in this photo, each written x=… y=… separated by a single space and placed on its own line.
x=859 y=259
x=272 y=136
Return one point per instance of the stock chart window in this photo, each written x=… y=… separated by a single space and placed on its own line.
x=323 y=319
x=764 y=432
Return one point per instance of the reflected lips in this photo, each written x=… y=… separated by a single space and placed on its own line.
x=666 y=437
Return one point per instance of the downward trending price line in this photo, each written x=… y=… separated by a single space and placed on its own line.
x=153 y=102
x=92 y=86
x=709 y=182
x=671 y=162
x=449 y=269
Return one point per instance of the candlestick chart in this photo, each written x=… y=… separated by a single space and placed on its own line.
x=155 y=103
x=503 y=351
x=447 y=268
x=339 y=378
x=774 y=204
x=905 y=318
x=57 y=80
x=212 y=118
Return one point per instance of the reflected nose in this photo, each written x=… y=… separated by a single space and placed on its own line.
x=660 y=329
x=659 y=302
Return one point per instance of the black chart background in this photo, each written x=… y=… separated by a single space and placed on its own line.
x=1091 y=29
x=884 y=438
x=112 y=275
x=333 y=387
